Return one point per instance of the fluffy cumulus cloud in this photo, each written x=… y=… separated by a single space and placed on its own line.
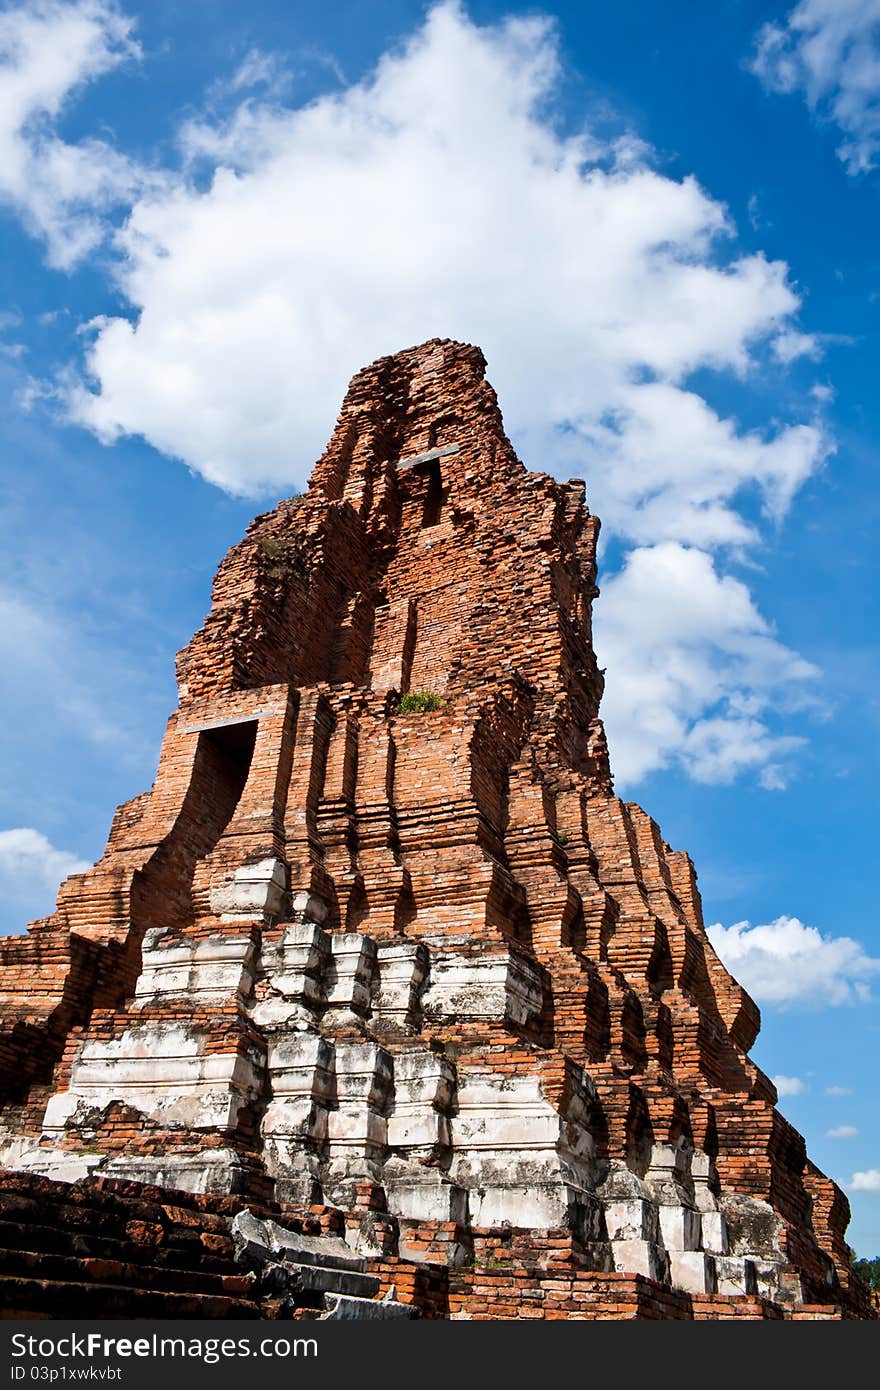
x=441 y=195
x=31 y=867
x=667 y=467
x=789 y=1085
x=438 y=197
x=787 y=963
x=692 y=667
x=47 y=50
x=867 y=1181
x=829 y=50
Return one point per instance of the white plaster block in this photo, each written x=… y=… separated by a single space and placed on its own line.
x=162 y=1071
x=501 y=987
x=640 y=1257
x=621 y=1183
x=420 y=1193
x=403 y=967
x=702 y=1166
x=692 y=1270
x=714 y=1232
x=276 y=1014
x=524 y=991
x=515 y=1153
x=255 y=890
x=214 y=970
x=635 y=1219
x=680 y=1228
x=293 y=970
x=358 y=1127
x=364 y=1071
x=767 y=1277
x=349 y=979
x=504 y=1112
x=424 y=1087
x=211 y=1170
x=308 y=907
x=755 y=1231
x=735 y=1275
x=300 y=1069
x=65 y=1165
x=299 y=959
x=542 y=1206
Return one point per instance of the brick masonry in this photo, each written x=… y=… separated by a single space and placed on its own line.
x=410 y=961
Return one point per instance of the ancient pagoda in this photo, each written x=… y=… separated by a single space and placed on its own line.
x=382 y=957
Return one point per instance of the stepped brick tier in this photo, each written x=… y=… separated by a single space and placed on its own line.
x=381 y=947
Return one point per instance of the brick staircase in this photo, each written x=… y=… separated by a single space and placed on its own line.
x=106 y=1248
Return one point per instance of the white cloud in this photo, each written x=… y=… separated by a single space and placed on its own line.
x=441 y=196
x=841 y=1132
x=753 y=207
x=789 y=345
x=256 y=297
x=691 y=667
x=10 y=319
x=830 y=51
x=787 y=963
x=30 y=864
x=867 y=1181
x=838 y=1091
x=47 y=50
x=664 y=466
x=257 y=69
x=789 y=1085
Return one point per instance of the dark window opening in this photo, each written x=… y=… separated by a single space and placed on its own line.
x=223 y=763
x=434 y=495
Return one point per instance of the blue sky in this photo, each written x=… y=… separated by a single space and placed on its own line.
x=660 y=223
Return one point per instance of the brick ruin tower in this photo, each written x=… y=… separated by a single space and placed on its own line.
x=381 y=950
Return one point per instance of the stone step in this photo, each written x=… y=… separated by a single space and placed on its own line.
x=30 y=1263
x=23 y=1190
x=71 y=1299
x=80 y=1244
x=109 y=1220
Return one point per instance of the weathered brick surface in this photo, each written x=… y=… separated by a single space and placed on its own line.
x=416 y=968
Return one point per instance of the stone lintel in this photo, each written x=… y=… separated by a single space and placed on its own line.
x=429 y=456
x=205 y=725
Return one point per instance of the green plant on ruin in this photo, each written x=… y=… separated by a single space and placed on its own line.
x=490 y=1262
x=285 y=556
x=419 y=702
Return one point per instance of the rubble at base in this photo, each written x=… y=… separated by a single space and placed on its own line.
x=381 y=1003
